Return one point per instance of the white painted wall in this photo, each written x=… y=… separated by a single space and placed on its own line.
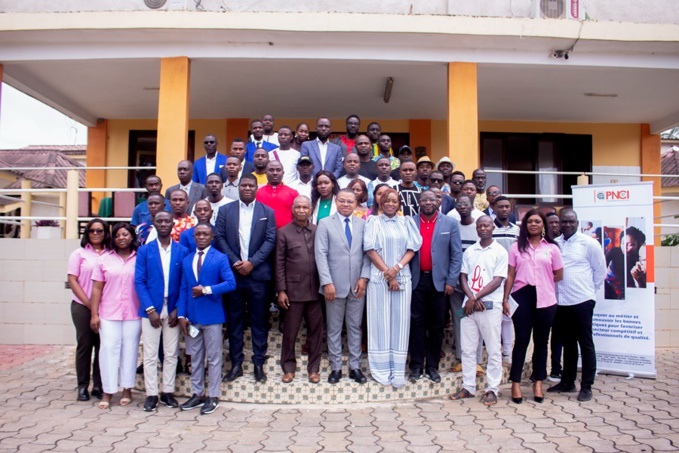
x=650 y=11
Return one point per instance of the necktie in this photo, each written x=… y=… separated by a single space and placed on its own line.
x=347 y=230
x=259 y=144
x=199 y=264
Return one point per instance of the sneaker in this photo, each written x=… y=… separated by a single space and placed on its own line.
x=192 y=403
x=554 y=377
x=209 y=406
x=507 y=360
x=169 y=400
x=151 y=403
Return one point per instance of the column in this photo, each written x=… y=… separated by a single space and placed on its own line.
x=236 y=128
x=173 y=116
x=463 y=117
x=96 y=157
x=650 y=164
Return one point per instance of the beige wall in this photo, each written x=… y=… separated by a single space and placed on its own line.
x=667 y=297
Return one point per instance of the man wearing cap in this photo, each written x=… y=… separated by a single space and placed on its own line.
x=424 y=168
x=446 y=167
x=305 y=170
x=404 y=153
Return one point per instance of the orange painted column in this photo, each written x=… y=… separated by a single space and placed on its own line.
x=96 y=157
x=236 y=128
x=420 y=135
x=650 y=163
x=173 y=116
x=463 y=116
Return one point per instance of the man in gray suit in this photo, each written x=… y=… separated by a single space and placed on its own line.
x=343 y=269
x=324 y=155
x=436 y=270
x=194 y=190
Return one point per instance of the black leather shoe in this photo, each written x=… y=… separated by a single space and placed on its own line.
x=97 y=392
x=357 y=376
x=83 y=394
x=192 y=403
x=335 y=376
x=234 y=373
x=259 y=374
x=561 y=388
x=585 y=395
x=415 y=374
x=209 y=406
x=433 y=375
x=151 y=404
x=140 y=369
x=169 y=400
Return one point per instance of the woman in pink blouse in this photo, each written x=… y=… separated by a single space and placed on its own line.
x=534 y=266
x=95 y=241
x=114 y=315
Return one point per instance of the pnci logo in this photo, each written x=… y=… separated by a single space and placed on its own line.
x=612 y=195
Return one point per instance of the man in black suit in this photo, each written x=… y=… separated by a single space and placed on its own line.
x=246 y=233
x=194 y=190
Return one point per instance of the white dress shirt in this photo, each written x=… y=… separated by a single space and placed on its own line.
x=208 y=290
x=584 y=269
x=165 y=258
x=302 y=188
x=186 y=188
x=323 y=151
x=246 y=213
x=210 y=164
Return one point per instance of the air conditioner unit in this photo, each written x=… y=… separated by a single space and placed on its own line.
x=557 y=9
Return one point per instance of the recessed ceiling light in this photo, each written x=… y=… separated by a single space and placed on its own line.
x=601 y=95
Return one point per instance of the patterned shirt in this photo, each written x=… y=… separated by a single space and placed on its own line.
x=181 y=224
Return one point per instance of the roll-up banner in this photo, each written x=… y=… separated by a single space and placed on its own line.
x=620 y=218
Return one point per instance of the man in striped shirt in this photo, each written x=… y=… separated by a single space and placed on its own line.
x=584 y=271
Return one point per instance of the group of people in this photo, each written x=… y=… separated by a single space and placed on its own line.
x=344 y=235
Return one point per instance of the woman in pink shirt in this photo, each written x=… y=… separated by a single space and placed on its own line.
x=534 y=266
x=95 y=241
x=114 y=315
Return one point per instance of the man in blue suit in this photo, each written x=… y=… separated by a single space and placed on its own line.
x=206 y=275
x=212 y=162
x=436 y=270
x=257 y=129
x=156 y=279
x=323 y=154
x=246 y=233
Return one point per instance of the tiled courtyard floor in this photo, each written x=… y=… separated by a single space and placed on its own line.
x=38 y=412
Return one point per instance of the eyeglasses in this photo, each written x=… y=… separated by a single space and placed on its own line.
x=343 y=201
x=96 y=231
x=209 y=142
x=435 y=180
x=456 y=182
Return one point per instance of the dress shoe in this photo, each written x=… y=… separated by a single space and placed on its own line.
x=357 y=376
x=192 y=403
x=83 y=394
x=537 y=385
x=289 y=377
x=415 y=374
x=97 y=392
x=585 y=395
x=562 y=388
x=335 y=376
x=140 y=369
x=151 y=403
x=314 y=378
x=209 y=406
x=169 y=400
x=234 y=373
x=433 y=375
x=259 y=374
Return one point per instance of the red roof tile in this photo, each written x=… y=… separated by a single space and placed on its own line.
x=43 y=156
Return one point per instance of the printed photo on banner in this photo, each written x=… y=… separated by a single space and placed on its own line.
x=635 y=252
x=614 y=285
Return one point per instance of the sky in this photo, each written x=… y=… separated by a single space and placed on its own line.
x=26 y=121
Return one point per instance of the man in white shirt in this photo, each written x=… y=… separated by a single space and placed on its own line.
x=484 y=269
x=269 y=136
x=584 y=270
x=305 y=170
x=215 y=197
x=352 y=164
x=383 y=177
x=286 y=155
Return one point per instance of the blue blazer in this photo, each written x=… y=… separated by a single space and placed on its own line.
x=216 y=273
x=149 y=281
x=187 y=240
x=200 y=171
x=262 y=238
x=446 y=253
x=333 y=158
x=251 y=147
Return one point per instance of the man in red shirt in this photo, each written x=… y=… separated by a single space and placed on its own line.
x=277 y=196
x=435 y=271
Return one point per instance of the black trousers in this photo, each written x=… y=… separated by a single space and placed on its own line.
x=528 y=319
x=86 y=341
x=556 y=345
x=428 y=316
x=253 y=295
x=576 y=328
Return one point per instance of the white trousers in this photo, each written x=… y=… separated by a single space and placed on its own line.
x=118 y=354
x=507 y=336
x=151 y=341
x=487 y=326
